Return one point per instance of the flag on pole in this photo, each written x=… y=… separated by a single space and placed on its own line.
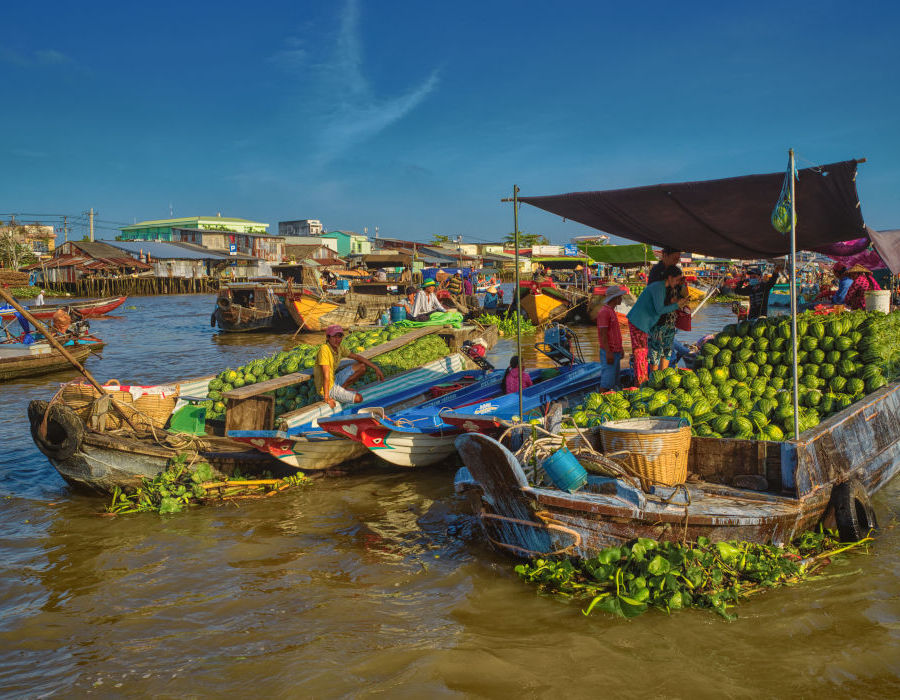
x=781 y=215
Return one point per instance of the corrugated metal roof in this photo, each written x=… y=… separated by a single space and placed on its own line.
x=164 y=251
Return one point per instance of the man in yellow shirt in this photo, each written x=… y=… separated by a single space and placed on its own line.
x=331 y=382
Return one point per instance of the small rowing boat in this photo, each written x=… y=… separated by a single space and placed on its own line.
x=88 y=308
x=28 y=360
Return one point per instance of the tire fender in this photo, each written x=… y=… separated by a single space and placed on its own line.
x=853 y=511
x=65 y=430
x=223 y=303
x=212 y=320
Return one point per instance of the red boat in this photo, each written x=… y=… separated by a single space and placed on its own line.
x=88 y=309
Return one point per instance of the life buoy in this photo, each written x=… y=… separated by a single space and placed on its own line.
x=65 y=431
x=223 y=303
x=853 y=512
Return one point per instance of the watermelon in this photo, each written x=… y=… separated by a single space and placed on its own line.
x=827 y=343
x=874 y=383
x=770 y=391
x=847 y=368
x=816 y=330
x=721 y=340
x=810 y=370
x=709 y=349
x=809 y=343
x=690 y=381
x=758 y=329
x=837 y=383
x=721 y=424
x=868 y=371
x=761 y=357
x=719 y=375
x=741 y=424
x=765 y=371
x=832 y=357
x=673 y=381
x=743 y=355
x=762 y=344
x=738 y=371
x=752 y=369
x=707 y=363
x=758 y=418
x=723 y=359
x=827 y=405
x=851 y=355
x=735 y=343
x=812 y=398
x=842 y=401
x=802 y=327
x=773 y=432
x=834 y=328
x=842 y=343
x=778 y=343
x=780 y=371
x=725 y=391
x=704 y=376
x=816 y=356
x=743 y=328
x=855 y=386
x=776 y=357
x=766 y=406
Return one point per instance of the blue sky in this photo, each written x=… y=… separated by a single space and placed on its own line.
x=418 y=117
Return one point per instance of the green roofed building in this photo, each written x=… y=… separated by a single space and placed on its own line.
x=161 y=230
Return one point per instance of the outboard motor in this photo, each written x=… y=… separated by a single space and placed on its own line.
x=561 y=345
x=475 y=351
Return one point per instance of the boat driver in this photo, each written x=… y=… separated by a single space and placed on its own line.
x=333 y=382
x=426 y=302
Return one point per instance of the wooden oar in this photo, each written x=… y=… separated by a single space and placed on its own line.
x=62 y=351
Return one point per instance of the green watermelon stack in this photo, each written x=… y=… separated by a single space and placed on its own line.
x=743 y=388
x=302 y=358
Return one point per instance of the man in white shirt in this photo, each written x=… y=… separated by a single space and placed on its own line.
x=40 y=299
x=426 y=302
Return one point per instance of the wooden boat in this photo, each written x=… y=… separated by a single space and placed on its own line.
x=424 y=435
x=737 y=489
x=88 y=309
x=21 y=360
x=100 y=460
x=546 y=303
x=307 y=447
x=257 y=305
x=311 y=312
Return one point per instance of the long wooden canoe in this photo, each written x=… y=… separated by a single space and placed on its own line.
x=40 y=358
x=89 y=308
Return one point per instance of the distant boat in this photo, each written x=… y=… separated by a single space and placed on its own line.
x=28 y=360
x=88 y=309
x=256 y=305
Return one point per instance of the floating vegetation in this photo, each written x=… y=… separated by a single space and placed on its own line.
x=507 y=324
x=182 y=484
x=629 y=580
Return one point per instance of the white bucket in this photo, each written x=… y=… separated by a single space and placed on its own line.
x=878 y=300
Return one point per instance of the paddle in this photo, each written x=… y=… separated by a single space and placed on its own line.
x=62 y=351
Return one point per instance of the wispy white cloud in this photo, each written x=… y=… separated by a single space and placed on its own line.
x=39 y=57
x=347 y=111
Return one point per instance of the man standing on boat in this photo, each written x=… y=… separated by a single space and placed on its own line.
x=333 y=383
x=40 y=299
x=757 y=291
x=426 y=302
x=669 y=258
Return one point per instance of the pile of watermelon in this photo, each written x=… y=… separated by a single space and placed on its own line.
x=744 y=386
x=302 y=358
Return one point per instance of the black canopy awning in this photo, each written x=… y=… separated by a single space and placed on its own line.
x=722 y=218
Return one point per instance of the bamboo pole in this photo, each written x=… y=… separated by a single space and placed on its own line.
x=62 y=351
x=793 y=289
x=518 y=295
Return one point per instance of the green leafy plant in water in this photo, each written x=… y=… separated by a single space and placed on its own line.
x=628 y=580
x=507 y=324
x=182 y=485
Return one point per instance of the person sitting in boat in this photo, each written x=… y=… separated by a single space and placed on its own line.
x=410 y=301
x=333 y=382
x=426 y=302
x=513 y=375
x=491 y=300
x=757 y=290
x=609 y=338
x=61 y=320
x=862 y=283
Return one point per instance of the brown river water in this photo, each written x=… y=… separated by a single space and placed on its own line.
x=377 y=584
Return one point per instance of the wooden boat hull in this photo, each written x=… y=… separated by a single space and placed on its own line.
x=240 y=319
x=308 y=455
x=14 y=368
x=315 y=315
x=858 y=445
x=88 y=309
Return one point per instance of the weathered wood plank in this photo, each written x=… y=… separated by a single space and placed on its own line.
x=251 y=413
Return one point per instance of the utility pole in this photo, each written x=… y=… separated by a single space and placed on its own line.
x=92 y=224
x=65 y=229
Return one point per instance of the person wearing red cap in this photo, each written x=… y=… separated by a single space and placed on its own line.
x=333 y=383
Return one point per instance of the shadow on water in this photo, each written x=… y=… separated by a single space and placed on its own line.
x=373 y=584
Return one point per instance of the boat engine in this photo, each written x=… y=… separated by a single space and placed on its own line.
x=561 y=345
x=475 y=351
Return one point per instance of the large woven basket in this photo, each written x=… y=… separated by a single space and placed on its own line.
x=657 y=447
x=155 y=408
x=79 y=396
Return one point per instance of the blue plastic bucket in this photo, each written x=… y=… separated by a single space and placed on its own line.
x=564 y=470
x=343 y=284
x=398 y=313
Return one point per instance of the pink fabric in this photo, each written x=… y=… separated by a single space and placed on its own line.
x=638 y=353
x=856 y=296
x=512 y=380
x=607 y=318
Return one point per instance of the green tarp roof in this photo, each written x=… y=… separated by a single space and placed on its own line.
x=635 y=254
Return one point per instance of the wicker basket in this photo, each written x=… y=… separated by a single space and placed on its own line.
x=81 y=395
x=155 y=409
x=657 y=447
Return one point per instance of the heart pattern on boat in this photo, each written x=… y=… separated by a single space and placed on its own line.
x=350 y=429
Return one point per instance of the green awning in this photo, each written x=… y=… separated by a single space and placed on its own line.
x=635 y=254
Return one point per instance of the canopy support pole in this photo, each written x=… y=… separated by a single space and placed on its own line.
x=518 y=295
x=793 y=288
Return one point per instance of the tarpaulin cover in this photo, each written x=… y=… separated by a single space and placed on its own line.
x=725 y=218
x=887 y=243
x=636 y=254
